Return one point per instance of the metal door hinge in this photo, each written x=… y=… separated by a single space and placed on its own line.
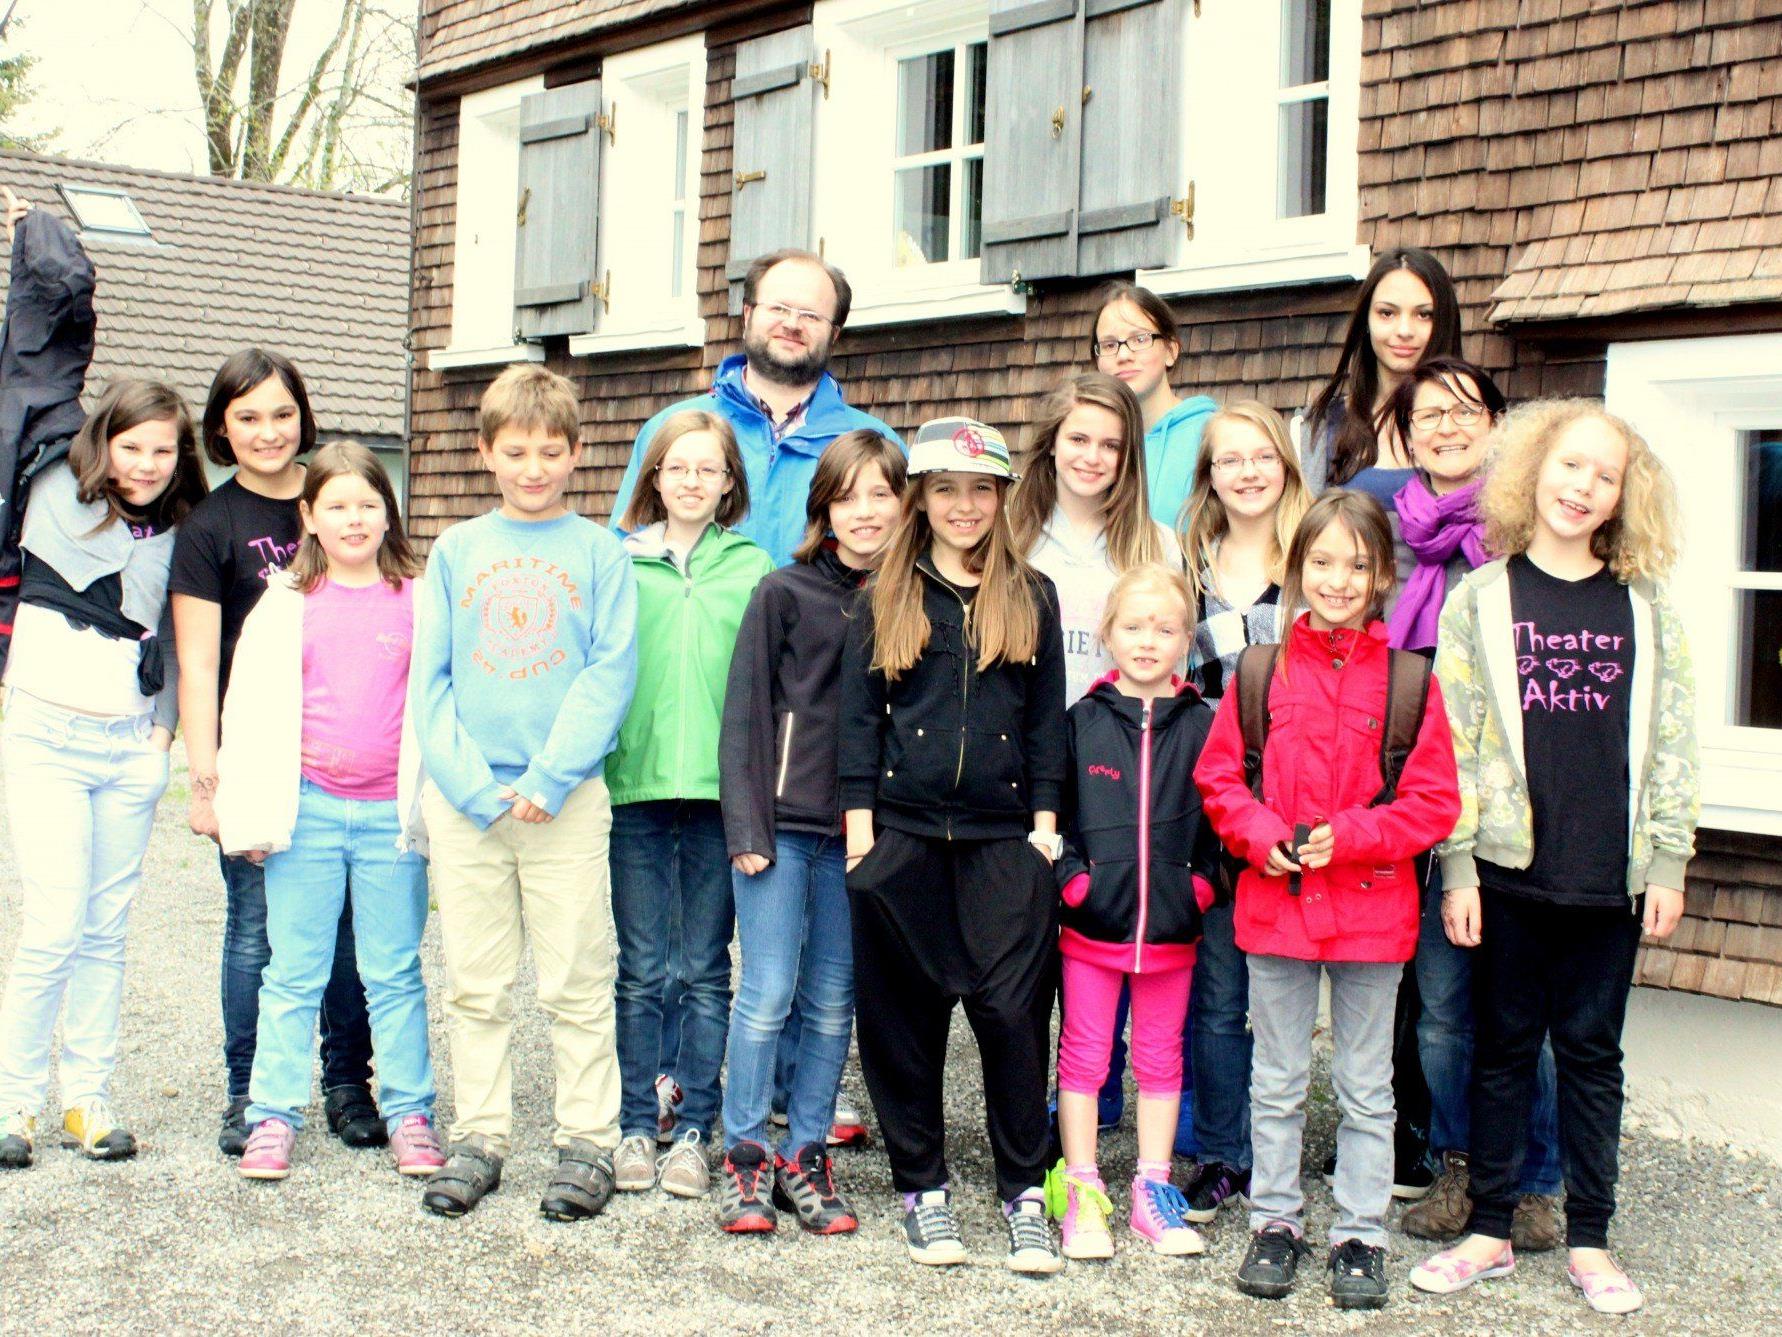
x=820 y=73
x=603 y=291
x=607 y=121
x=1184 y=210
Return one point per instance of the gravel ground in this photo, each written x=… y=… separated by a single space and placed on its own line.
x=174 y=1240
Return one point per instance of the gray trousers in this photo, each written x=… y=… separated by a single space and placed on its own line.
x=1283 y=1011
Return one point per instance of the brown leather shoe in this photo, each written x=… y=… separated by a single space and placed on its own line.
x=1536 y=1227
x=1443 y=1213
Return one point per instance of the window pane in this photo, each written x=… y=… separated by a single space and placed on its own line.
x=680 y=156
x=677 y=247
x=971 y=227
x=975 y=64
x=923 y=202
x=925 y=103
x=1762 y=546
x=1304 y=134
x=1305 y=42
x=1758 y=699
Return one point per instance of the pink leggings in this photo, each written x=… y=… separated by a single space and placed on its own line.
x=1159 y=1011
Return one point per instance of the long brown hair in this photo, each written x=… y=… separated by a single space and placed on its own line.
x=126 y=403
x=1002 y=620
x=1204 y=514
x=1147 y=303
x=396 y=561
x=647 y=506
x=1366 y=521
x=837 y=468
x=1125 y=515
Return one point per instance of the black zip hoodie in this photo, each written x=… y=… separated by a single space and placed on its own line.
x=1110 y=822
x=776 y=751
x=946 y=751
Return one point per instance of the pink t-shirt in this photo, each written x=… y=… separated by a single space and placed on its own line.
x=356 y=646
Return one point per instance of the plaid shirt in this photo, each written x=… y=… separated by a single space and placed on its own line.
x=1224 y=631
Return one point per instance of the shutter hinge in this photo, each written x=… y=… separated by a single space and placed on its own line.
x=1088 y=92
x=820 y=73
x=1196 y=8
x=743 y=178
x=1057 y=121
x=607 y=121
x=520 y=215
x=1184 y=210
x=603 y=291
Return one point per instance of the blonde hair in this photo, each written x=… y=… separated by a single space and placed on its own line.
x=530 y=396
x=1125 y=514
x=1002 y=620
x=1639 y=540
x=1148 y=578
x=396 y=560
x=837 y=468
x=647 y=506
x=1203 y=521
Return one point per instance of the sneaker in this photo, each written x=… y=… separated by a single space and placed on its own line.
x=1608 y=1292
x=1446 y=1272
x=92 y=1127
x=1109 y=1110
x=1270 y=1262
x=806 y=1185
x=415 y=1146
x=232 y=1137
x=668 y=1108
x=682 y=1170
x=1445 y=1209
x=268 y=1151
x=745 y=1206
x=582 y=1184
x=930 y=1232
x=1212 y=1186
x=471 y=1172
x=1160 y=1215
x=1412 y=1173
x=634 y=1165
x=1357 y=1275
x=1032 y=1250
x=1536 y=1228
x=18 y=1138
x=353 y=1117
x=848 y=1129
x=1081 y=1208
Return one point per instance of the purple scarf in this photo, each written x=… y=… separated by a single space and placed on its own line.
x=1434 y=529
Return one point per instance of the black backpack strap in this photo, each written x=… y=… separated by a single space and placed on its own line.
x=1255 y=675
x=1407 y=697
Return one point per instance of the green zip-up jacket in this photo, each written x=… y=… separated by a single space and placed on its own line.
x=686 y=631
x=1476 y=664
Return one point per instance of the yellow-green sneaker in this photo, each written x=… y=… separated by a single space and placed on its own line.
x=18 y=1136
x=1081 y=1208
x=91 y=1126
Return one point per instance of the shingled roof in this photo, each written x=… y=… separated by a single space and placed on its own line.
x=321 y=277
x=457 y=35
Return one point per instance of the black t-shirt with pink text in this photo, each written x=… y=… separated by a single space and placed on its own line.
x=1574 y=677
x=227 y=549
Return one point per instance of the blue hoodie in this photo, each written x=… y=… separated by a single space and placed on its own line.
x=779 y=474
x=1171 y=445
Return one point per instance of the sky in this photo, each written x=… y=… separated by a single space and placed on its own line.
x=114 y=78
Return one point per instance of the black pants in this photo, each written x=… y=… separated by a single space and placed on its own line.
x=1564 y=970
x=937 y=923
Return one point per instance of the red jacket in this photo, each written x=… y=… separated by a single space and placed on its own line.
x=1322 y=764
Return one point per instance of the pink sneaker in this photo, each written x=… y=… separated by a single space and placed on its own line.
x=416 y=1146
x=268 y=1151
x=1447 y=1272
x=1160 y=1215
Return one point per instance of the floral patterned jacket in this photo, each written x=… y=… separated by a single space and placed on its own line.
x=1476 y=665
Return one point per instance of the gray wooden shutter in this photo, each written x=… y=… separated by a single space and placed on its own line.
x=773 y=137
x=1130 y=119
x=556 y=252
x=1032 y=142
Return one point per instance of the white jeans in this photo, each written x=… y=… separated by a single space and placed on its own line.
x=80 y=796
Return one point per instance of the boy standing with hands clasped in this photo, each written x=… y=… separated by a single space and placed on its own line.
x=524 y=663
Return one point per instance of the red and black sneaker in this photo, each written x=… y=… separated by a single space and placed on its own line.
x=806 y=1185
x=848 y=1128
x=744 y=1206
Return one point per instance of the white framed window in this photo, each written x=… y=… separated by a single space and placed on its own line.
x=1268 y=149
x=649 y=192
x=899 y=157
x=1712 y=409
x=483 y=235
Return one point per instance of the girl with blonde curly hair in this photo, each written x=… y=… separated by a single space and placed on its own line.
x=1563 y=659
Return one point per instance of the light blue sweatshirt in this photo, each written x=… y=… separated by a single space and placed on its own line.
x=525 y=659
x=1171 y=446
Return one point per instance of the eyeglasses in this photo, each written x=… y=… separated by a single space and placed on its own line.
x=781 y=314
x=1265 y=463
x=706 y=473
x=1461 y=415
x=1136 y=342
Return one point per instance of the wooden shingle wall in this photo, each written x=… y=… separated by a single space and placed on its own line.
x=1729 y=944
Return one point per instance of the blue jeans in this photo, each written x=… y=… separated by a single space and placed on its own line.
x=797 y=942
x=1445 y=1044
x=1220 y=1009
x=306 y=889
x=670 y=854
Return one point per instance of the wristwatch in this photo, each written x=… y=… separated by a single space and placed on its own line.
x=1049 y=843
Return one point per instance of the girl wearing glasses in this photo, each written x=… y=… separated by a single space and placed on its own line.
x=1134 y=340
x=670 y=862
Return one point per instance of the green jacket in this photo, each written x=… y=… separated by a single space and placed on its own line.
x=686 y=631
x=1476 y=664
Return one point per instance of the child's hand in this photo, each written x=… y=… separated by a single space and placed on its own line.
x=1460 y=916
x=201 y=813
x=1279 y=864
x=255 y=857
x=1316 y=852
x=852 y=861
x=16 y=209
x=749 y=865
x=1664 y=908
x=523 y=809
x=162 y=737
